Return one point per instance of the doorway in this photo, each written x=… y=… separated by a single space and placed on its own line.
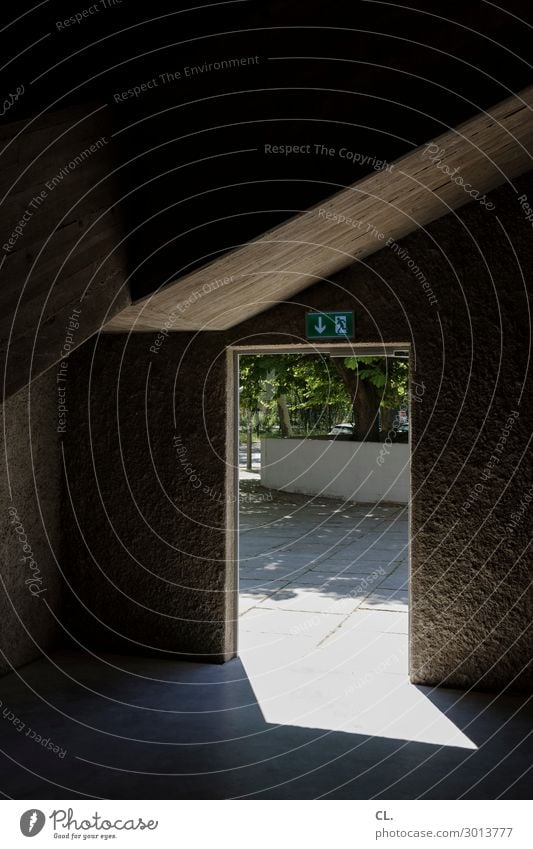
x=322 y=545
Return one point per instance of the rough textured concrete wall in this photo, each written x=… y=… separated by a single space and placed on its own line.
x=145 y=509
x=61 y=239
x=471 y=602
x=30 y=496
x=471 y=595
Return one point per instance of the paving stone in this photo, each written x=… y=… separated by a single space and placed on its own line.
x=290 y=623
x=397 y=580
x=383 y=599
x=375 y=620
x=354 y=567
x=261 y=588
x=312 y=600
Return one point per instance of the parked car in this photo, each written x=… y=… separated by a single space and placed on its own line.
x=344 y=430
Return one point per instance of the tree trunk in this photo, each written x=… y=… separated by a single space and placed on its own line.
x=366 y=407
x=386 y=420
x=284 y=417
x=366 y=399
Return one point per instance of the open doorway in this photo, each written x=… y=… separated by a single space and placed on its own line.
x=323 y=541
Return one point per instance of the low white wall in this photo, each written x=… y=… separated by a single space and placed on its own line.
x=357 y=471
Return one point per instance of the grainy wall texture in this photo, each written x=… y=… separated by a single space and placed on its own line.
x=63 y=270
x=30 y=510
x=61 y=246
x=147 y=558
x=148 y=547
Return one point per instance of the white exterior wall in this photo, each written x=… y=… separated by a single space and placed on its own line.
x=356 y=471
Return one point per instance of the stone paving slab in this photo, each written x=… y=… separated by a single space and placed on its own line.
x=338 y=654
x=384 y=652
x=291 y=623
x=385 y=622
x=382 y=599
x=355 y=567
x=397 y=580
x=270 y=578
x=312 y=600
x=266 y=653
x=340 y=584
x=323 y=606
x=279 y=555
x=384 y=705
x=249 y=585
x=248 y=601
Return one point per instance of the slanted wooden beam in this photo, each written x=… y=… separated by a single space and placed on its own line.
x=458 y=167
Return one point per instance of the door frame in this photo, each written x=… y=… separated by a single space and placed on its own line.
x=233 y=352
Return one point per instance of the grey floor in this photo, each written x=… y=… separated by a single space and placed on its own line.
x=317 y=705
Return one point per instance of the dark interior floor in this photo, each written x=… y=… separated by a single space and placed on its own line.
x=82 y=726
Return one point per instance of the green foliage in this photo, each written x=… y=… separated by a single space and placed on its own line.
x=310 y=385
x=308 y=379
x=390 y=375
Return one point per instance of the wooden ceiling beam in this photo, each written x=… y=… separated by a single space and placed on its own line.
x=422 y=186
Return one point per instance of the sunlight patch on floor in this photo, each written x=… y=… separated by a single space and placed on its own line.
x=364 y=703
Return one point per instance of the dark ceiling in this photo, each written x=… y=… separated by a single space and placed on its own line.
x=374 y=78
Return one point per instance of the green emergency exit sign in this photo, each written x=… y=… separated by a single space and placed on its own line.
x=329 y=325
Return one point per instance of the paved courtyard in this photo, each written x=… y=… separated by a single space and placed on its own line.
x=323 y=556
x=323 y=619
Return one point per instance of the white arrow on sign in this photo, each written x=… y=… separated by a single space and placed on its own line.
x=320 y=326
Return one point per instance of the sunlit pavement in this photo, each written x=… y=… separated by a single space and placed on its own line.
x=254 y=474
x=323 y=625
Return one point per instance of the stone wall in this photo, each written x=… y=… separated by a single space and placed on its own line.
x=30 y=511
x=61 y=247
x=149 y=550
x=150 y=566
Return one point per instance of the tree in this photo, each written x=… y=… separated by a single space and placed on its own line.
x=377 y=385
x=303 y=386
x=365 y=397
x=284 y=416
x=303 y=389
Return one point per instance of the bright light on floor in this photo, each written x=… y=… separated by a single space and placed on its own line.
x=366 y=704
x=323 y=625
